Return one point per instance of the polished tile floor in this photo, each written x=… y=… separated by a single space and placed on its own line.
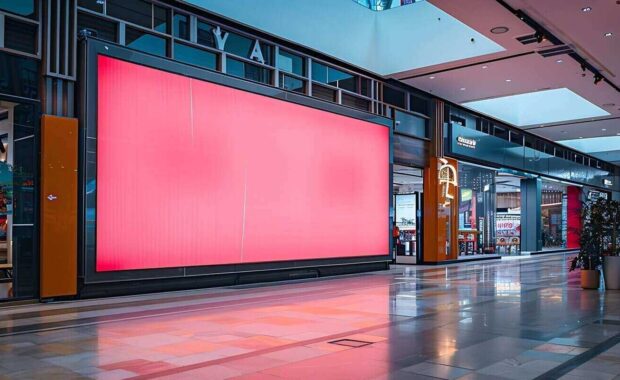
x=509 y=319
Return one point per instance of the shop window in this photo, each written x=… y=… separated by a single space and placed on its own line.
x=19 y=76
x=195 y=56
x=24 y=8
x=291 y=63
x=328 y=75
x=578 y=158
x=242 y=46
x=355 y=102
x=19 y=35
x=205 y=34
x=138 y=12
x=419 y=105
x=411 y=124
x=457 y=120
x=516 y=138
x=394 y=97
x=500 y=132
x=292 y=84
x=324 y=93
x=93 y=5
x=559 y=153
x=365 y=86
x=161 y=19
x=145 y=42
x=181 y=26
x=553 y=214
x=106 y=30
x=249 y=71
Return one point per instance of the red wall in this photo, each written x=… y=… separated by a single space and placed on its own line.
x=193 y=173
x=573 y=221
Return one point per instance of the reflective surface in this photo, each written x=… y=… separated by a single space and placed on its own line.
x=515 y=319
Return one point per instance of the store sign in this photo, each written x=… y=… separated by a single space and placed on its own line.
x=607 y=182
x=447 y=180
x=465 y=142
x=220 y=42
x=596 y=195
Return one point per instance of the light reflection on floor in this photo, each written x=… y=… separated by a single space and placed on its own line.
x=509 y=319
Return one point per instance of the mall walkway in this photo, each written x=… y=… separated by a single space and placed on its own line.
x=513 y=319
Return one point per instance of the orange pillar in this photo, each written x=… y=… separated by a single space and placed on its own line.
x=59 y=159
x=440 y=211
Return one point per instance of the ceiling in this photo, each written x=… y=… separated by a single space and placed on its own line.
x=551 y=97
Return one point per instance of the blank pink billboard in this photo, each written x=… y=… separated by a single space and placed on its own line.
x=192 y=173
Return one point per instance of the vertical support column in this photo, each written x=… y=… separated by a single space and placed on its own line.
x=59 y=144
x=573 y=219
x=531 y=223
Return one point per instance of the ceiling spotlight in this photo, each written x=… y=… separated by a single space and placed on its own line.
x=604 y=129
x=586 y=9
x=431 y=77
x=540 y=37
x=508 y=80
x=580 y=137
x=462 y=88
x=597 y=78
x=499 y=30
x=609 y=34
x=559 y=61
x=485 y=67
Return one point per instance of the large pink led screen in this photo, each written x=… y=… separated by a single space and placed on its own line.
x=193 y=173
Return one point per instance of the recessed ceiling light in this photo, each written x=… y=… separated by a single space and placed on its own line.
x=559 y=61
x=431 y=77
x=499 y=30
x=586 y=9
x=604 y=129
x=508 y=80
x=485 y=67
x=609 y=34
x=462 y=88
x=580 y=137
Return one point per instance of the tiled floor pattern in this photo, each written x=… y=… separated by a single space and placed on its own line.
x=516 y=319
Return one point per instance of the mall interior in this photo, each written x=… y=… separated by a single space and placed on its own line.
x=346 y=189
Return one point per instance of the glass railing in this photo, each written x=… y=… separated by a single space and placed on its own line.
x=381 y=5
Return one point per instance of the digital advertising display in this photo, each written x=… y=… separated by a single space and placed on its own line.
x=193 y=173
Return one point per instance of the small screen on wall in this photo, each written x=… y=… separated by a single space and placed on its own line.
x=192 y=173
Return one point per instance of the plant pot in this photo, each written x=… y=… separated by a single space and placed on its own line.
x=611 y=270
x=590 y=278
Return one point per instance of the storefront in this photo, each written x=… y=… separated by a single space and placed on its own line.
x=19 y=110
x=517 y=193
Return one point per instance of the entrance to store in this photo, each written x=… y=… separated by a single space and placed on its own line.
x=18 y=263
x=407 y=186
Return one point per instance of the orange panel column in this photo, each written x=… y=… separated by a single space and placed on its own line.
x=59 y=161
x=440 y=210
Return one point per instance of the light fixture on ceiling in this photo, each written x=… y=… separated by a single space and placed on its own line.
x=499 y=30
x=485 y=67
x=431 y=77
x=508 y=80
x=609 y=34
x=597 y=78
x=540 y=37
x=463 y=88
x=586 y=9
x=604 y=129
x=580 y=137
x=559 y=61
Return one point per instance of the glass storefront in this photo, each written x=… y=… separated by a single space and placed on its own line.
x=554 y=215
x=407 y=189
x=476 y=219
x=18 y=261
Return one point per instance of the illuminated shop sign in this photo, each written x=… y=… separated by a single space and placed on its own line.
x=220 y=42
x=595 y=195
x=607 y=182
x=465 y=142
x=447 y=180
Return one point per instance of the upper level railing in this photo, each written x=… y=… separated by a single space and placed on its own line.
x=382 y=5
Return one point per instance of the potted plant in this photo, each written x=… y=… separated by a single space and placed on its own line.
x=611 y=260
x=591 y=241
